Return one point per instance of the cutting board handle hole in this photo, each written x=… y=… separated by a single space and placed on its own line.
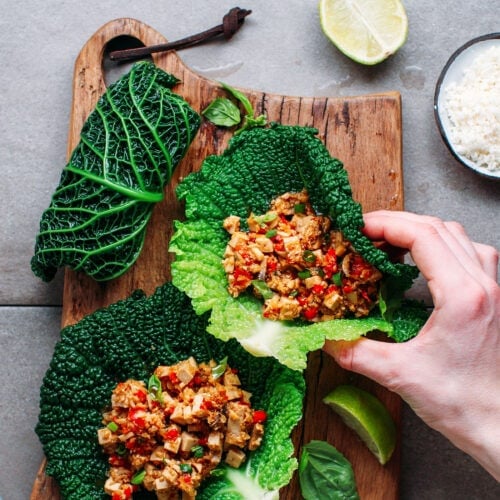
x=113 y=70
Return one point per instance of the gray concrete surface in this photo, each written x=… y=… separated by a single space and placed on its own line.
x=280 y=49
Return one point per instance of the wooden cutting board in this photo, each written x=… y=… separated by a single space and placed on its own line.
x=364 y=132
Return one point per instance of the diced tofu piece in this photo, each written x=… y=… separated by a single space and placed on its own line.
x=161 y=484
x=256 y=436
x=293 y=248
x=158 y=454
x=238 y=439
x=111 y=486
x=216 y=457
x=182 y=414
x=233 y=392
x=188 y=440
x=186 y=370
x=332 y=301
x=231 y=378
x=173 y=439
x=238 y=240
x=162 y=371
x=228 y=264
x=170 y=474
x=178 y=413
x=246 y=396
x=231 y=224
x=106 y=437
x=264 y=244
x=214 y=441
x=313 y=281
x=198 y=409
x=311 y=230
x=257 y=254
x=235 y=457
x=188 y=415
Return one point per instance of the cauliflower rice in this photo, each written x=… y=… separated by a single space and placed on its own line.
x=473 y=107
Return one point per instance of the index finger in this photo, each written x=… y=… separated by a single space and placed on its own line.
x=432 y=254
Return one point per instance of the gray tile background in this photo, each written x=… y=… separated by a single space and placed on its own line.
x=280 y=49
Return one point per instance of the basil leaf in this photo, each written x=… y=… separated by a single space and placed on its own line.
x=250 y=120
x=325 y=473
x=241 y=97
x=222 y=112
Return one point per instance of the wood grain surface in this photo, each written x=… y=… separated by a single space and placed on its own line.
x=364 y=132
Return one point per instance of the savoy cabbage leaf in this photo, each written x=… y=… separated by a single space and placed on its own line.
x=129 y=146
x=259 y=165
x=128 y=340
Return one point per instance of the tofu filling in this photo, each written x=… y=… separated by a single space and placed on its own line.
x=298 y=264
x=170 y=434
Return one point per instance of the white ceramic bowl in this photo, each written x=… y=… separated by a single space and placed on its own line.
x=453 y=72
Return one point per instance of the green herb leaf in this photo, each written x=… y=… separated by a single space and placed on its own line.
x=222 y=112
x=309 y=256
x=325 y=473
x=337 y=279
x=121 y=451
x=271 y=233
x=186 y=468
x=266 y=218
x=299 y=208
x=112 y=426
x=138 y=477
x=263 y=289
x=218 y=371
x=249 y=120
x=197 y=451
x=240 y=97
x=154 y=388
x=304 y=274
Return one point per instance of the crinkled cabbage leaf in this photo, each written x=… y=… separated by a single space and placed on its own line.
x=258 y=166
x=129 y=146
x=128 y=340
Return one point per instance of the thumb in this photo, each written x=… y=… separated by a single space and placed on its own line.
x=375 y=359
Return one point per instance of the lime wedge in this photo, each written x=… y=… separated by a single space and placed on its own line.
x=367 y=416
x=367 y=31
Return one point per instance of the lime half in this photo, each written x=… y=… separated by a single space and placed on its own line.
x=367 y=416
x=367 y=31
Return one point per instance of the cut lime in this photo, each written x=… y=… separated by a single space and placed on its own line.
x=367 y=31
x=367 y=416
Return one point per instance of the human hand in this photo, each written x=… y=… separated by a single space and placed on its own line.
x=450 y=373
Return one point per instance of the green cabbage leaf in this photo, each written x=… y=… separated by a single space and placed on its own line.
x=128 y=340
x=129 y=146
x=259 y=165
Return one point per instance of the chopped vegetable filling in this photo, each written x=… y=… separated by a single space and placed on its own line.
x=301 y=267
x=169 y=435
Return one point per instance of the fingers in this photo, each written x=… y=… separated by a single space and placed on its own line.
x=442 y=250
x=372 y=358
x=489 y=259
x=423 y=237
